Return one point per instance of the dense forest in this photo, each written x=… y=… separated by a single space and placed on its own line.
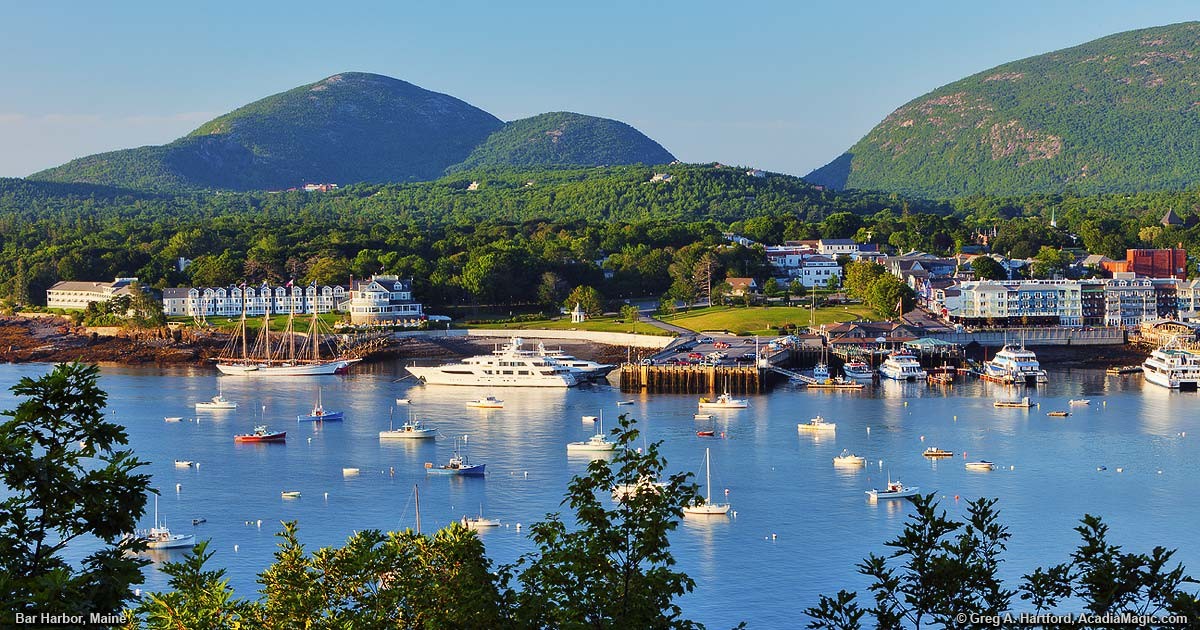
x=1114 y=114
x=508 y=237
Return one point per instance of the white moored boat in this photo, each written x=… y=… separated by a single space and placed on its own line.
x=1173 y=368
x=980 y=465
x=707 y=507
x=597 y=443
x=584 y=370
x=1016 y=366
x=160 y=537
x=1080 y=401
x=816 y=424
x=848 y=459
x=724 y=401
x=215 y=403
x=1023 y=403
x=509 y=367
x=902 y=365
x=893 y=490
x=411 y=430
x=487 y=402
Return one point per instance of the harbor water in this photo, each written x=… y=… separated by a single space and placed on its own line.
x=800 y=527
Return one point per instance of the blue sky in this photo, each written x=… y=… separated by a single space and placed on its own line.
x=784 y=86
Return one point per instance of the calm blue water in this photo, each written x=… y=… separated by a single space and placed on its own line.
x=779 y=481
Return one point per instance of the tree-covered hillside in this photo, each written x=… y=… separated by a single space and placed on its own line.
x=1115 y=114
x=565 y=139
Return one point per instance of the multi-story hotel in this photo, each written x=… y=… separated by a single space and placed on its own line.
x=256 y=300
x=76 y=294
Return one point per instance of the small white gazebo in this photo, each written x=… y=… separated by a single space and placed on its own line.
x=577 y=315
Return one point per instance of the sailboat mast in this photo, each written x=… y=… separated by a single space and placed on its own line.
x=417 y=492
x=314 y=338
x=707 y=479
x=291 y=333
x=242 y=325
x=155 y=510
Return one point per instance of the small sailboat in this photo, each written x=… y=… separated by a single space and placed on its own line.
x=261 y=434
x=318 y=413
x=478 y=523
x=597 y=443
x=411 y=430
x=458 y=464
x=487 y=402
x=980 y=465
x=160 y=537
x=816 y=424
x=849 y=460
x=707 y=508
x=216 y=403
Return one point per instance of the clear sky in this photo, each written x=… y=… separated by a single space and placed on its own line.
x=783 y=86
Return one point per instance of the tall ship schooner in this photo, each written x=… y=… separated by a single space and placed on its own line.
x=265 y=357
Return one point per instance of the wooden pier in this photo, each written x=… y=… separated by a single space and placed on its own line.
x=691 y=379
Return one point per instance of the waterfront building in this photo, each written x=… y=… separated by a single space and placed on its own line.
x=1187 y=299
x=255 y=300
x=1151 y=263
x=76 y=294
x=1129 y=302
x=1019 y=303
x=383 y=299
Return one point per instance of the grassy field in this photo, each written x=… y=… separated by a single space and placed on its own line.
x=599 y=324
x=278 y=322
x=758 y=320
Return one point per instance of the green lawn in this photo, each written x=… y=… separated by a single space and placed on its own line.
x=599 y=324
x=758 y=320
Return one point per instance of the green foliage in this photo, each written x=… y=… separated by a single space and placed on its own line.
x=858 y=276
x=198 y=599
x=64 y=481
x=564 y=139
x=397 y=132
x=611 y=568
x=888 y=295
x=1114 y=114
x=588 y=298
x=986 y=268
x=943 y=572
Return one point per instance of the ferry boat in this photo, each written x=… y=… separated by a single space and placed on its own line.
x=858 y=371
x=902 y=365
x=263 y=358
x=1174 y=368
x=510 y=367
x=1014 y=365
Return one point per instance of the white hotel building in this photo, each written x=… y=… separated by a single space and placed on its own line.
x=256 y=300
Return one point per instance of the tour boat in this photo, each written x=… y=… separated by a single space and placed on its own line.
x=1059 y=414
x=457 y=465
x=261 y=434
x=849 y=459
x=216 y=402
x=509 y=367
x=816 y=424
x=290 y=494
x=267 y=358
x=160 y=537
x=821 y=372
x=1173 y=368
x=893 y=490
x=724 y=401
x=858 y=371
x=318 y=413
x=980 y=465
x=487 y=402
x=1082 y=401
x=1016 y=366
x=902 y=365
x=707 y=507
x=479 y=522
x=1023 y=403
x=598 y=442
x=934 y=451
x=184 y=463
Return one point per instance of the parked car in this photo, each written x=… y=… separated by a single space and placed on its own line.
x=721 y=344
x=705 y=340
x=695 y=355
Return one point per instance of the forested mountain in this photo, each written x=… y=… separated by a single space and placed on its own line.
x=1115 y=114
x=353 y=128
x=565 y=139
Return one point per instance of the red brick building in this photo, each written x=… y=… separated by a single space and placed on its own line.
x=1151 y=263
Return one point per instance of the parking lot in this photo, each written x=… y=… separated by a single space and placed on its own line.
x=716 y=349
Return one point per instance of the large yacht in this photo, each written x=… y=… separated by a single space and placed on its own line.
x=902 y=365
x=1015 y=365
x=584 y=369
x=1173 y=367
x=509 y=367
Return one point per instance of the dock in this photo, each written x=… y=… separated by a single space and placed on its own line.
x=691 y=379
